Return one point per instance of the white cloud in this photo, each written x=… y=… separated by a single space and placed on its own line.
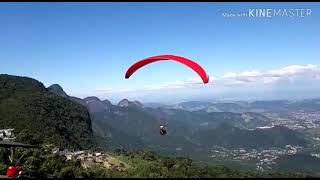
x=294 y=75
x=295 y=70
x=103 y=90
x=289 y=73
x=178 y=84
x=169 y=85
x=125 y=90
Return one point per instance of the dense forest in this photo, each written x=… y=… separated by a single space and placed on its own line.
x=39 y=116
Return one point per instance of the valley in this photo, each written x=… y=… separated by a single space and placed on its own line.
x=259 y=136
x=251 y=134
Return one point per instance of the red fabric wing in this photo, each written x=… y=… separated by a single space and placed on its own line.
x=193 y=65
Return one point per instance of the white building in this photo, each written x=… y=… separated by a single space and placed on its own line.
x=6 y=134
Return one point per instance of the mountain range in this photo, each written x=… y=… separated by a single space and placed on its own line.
x=132 y=124
x=311 y=105
x=49 y=115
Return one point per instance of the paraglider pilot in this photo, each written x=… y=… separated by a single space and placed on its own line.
x=163 y=130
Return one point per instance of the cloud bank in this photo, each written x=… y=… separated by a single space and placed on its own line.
x=289 y=78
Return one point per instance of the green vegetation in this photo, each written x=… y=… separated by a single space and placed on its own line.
x=149 y=164
x=43 y=117
x=298 y=162
x=42 y=163
x=228 y=136
x=39 y=116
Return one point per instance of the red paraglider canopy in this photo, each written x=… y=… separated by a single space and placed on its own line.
x=193 y=65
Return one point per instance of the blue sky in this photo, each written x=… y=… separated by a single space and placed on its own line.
x=87 y=47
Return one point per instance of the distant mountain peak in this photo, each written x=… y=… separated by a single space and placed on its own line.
x=92 y=98
x=107 y=102
x=137 y=103
x=94 y=104
x=127 y=103
x=57 y=89
x=124 y=103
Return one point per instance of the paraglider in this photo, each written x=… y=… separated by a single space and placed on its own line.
x=187 y=62
x=191 y=64
x=163 y=131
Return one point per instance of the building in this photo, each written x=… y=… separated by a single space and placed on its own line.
x=6 y=134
